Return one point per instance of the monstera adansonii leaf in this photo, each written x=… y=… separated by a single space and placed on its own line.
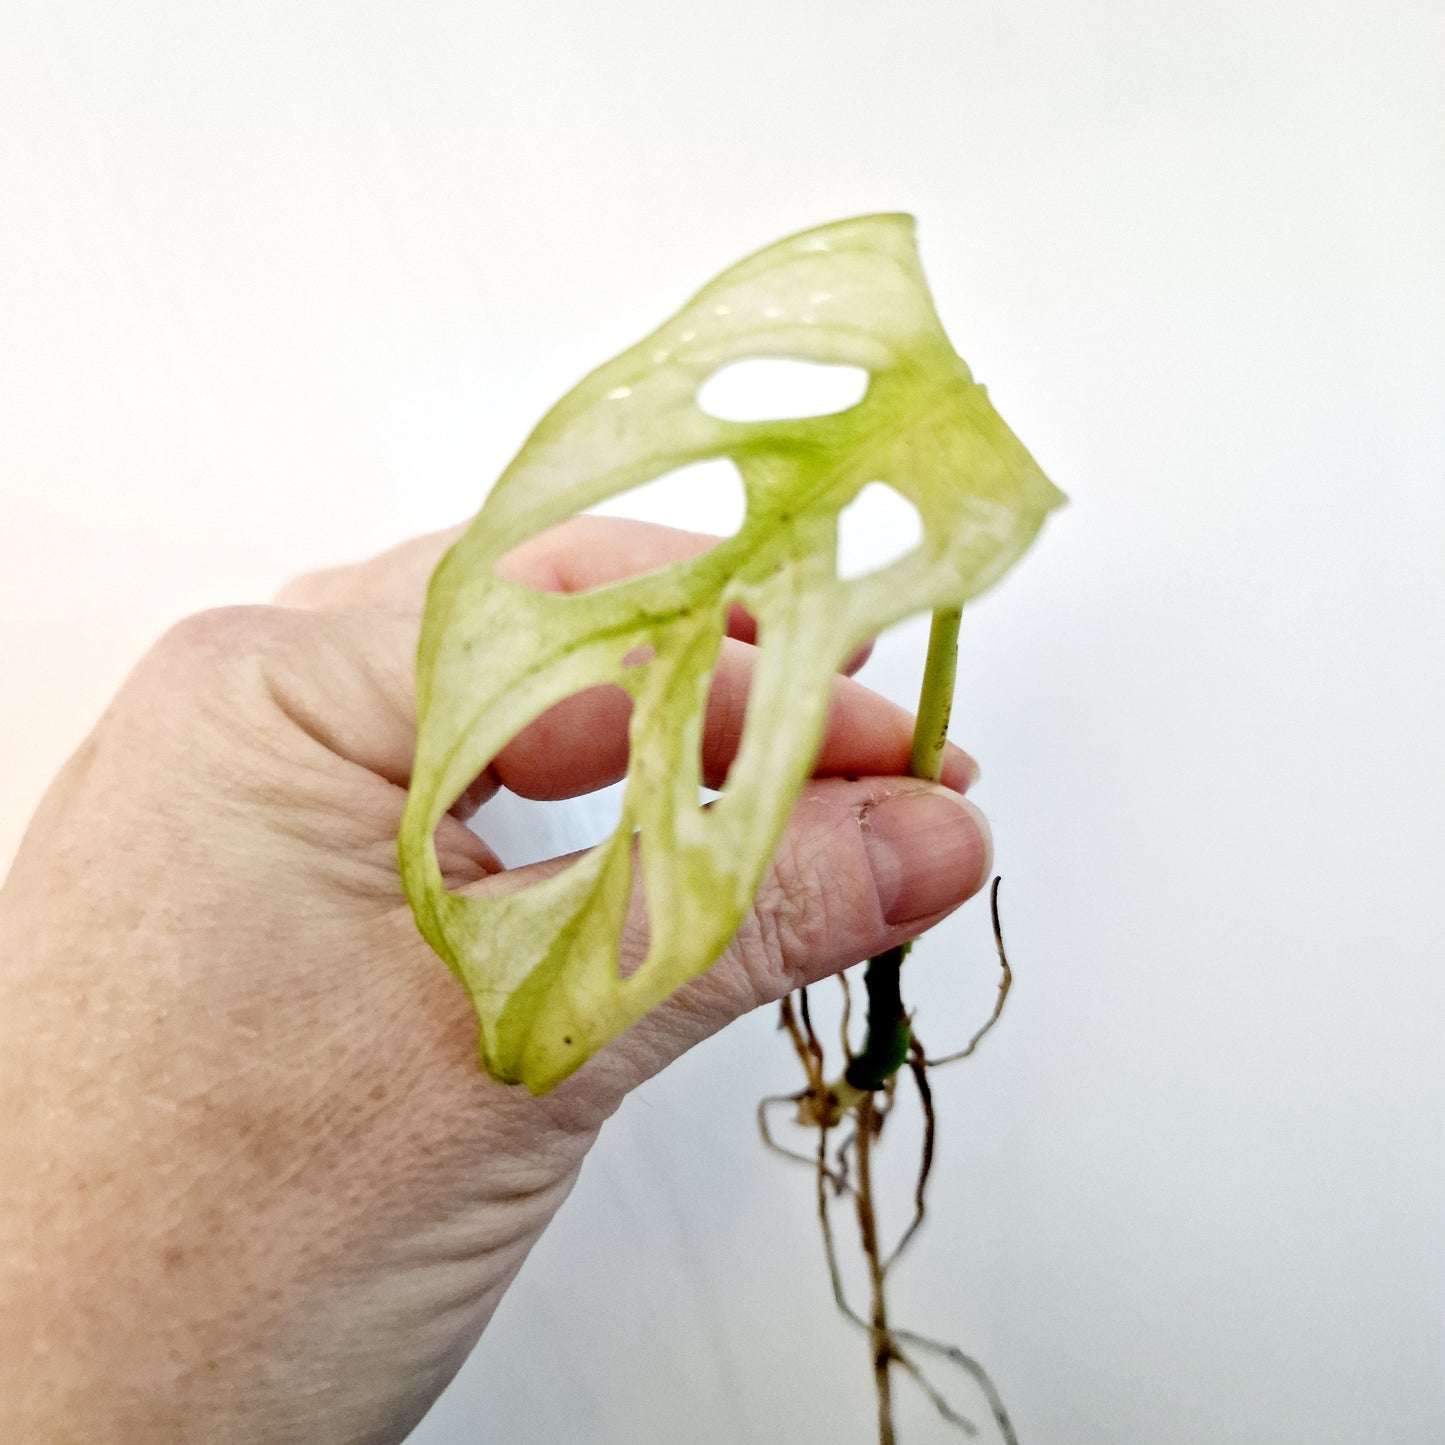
x=542 y=964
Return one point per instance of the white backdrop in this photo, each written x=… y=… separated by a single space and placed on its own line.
x=283 y=283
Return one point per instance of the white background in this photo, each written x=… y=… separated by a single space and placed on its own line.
x=281 y=284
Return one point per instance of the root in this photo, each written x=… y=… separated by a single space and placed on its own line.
x=1005 y=983
x=846 y=1022
x=861 y=1117
x=972 y=1368
x=838 y=1178
x=918 y=1067
x=830 y=1251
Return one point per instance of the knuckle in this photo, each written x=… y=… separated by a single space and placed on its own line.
x=557 y=546
x=307 y=590
x=195 y=701
x=214 y=664
x=212 y=638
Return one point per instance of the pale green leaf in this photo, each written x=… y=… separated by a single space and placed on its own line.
x=542 y=964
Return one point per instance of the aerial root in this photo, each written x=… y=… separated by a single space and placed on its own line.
x=1005 y=983
x=849 y=1172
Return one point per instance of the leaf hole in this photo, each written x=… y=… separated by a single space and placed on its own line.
x=726 y=716
x=705 y=496
x=879 y=527
x=780 y=389
x=530 y=830
x=640 y=655
x=636 y=937
x=560 y=779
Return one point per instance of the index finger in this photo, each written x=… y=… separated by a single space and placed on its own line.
x=576 y=556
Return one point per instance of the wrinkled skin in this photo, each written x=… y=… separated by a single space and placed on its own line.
x=255 y=1186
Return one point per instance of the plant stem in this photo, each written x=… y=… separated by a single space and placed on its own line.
x=885 y=1047
x=935 y=698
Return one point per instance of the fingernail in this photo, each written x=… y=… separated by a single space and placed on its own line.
x=929 y=849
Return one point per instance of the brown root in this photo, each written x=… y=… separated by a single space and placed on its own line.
x=826 y=1108
x=1005 y=983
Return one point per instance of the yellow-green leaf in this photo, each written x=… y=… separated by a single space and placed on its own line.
x=542 y=964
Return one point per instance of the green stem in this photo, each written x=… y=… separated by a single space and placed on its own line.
x=935 y=698
x=885 y=1046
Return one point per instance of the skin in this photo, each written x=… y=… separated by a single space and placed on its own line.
x=255 y=1187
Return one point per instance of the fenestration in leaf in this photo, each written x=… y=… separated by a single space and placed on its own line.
x=541 y=965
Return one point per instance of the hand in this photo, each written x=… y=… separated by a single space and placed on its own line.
x=256 y=1188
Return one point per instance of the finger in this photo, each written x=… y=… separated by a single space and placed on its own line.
x=579 y=555
x=581 y=743
x=576 y=556
x=863 y=866
x=346 y=680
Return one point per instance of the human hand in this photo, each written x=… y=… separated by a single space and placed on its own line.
x=257 y=1188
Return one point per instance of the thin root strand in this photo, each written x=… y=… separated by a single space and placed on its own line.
x=824 y=1108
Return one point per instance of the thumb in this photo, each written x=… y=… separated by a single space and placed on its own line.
x=864 y=864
